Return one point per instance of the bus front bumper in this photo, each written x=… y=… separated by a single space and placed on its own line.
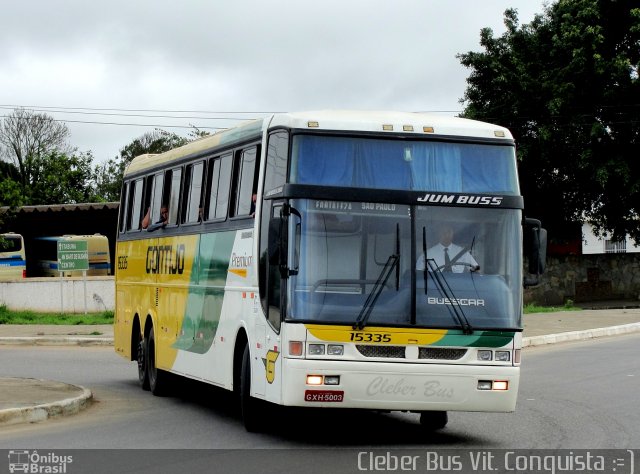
x=399 y=386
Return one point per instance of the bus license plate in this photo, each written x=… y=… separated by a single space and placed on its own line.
x=323 y=395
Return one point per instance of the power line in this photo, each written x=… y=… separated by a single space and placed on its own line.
x=134 y=110
x=56 y=110
x=128 y=124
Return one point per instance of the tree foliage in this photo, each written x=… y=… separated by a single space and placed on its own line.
x=25 y=136
x=567 y=86
x=62 y=179
x=39 y=167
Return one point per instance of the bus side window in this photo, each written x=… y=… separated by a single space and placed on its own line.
x=246 y=181
x=124 y=207
x=135 y=205
x=171 y=198
x=192 y=195
x=153 y=198
x=218 y=185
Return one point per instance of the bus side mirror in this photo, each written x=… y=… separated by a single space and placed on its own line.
x=535 y=244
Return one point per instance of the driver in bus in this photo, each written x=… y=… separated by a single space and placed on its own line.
x=449 y=257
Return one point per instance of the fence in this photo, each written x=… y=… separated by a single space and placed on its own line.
x=44 y=294
x=584 y=278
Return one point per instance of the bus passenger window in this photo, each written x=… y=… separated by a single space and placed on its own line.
x=193 y=193
x=246 y=179
x=135 y=203
x=219 y=182
x=172 y=197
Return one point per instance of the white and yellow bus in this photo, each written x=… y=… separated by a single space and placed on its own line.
x=46 y=252
x=329 y=293
x=13 y=263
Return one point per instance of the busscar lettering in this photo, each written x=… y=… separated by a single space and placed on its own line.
x=456 y=301
x=165 y=259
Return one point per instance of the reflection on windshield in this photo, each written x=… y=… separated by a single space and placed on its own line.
x=344 y=250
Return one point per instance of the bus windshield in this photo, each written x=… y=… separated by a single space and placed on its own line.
x=404 y=164
x=344 y=252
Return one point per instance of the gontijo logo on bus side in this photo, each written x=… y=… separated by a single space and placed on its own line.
x=165 y=259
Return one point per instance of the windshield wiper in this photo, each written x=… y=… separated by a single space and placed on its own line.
x=392 y=262
x=445 y=289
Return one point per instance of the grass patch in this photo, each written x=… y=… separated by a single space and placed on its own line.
x=30 y=317
x=534 y=308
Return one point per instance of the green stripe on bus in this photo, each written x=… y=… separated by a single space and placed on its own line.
x=206 y=292
x=477 y=339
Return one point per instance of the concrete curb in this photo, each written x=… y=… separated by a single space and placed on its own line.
x=57 y=341
x=580 y=335
x=37 y=413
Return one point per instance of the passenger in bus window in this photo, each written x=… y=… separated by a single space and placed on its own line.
x=162 y=222
x=146 y=220
x=254 y=198
x=447 y=256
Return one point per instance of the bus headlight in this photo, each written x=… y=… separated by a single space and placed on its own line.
x=315 y=349
x=503 y=356
x=485 y=356
x=335 y=349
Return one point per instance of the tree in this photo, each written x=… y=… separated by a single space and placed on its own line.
x=108 y=176
x=10 y=190
x=25 y=136
x=567 y=86
x=62 y=179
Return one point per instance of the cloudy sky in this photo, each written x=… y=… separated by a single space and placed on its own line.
x=114 y=70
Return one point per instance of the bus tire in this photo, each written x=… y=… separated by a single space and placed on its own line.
x=252 y=415
x=143 y=372
x=434 y=420
x=158 y=378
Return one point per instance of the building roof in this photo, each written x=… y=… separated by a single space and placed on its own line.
x=87 y=206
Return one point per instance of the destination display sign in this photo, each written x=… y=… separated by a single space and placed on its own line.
x=349 y=207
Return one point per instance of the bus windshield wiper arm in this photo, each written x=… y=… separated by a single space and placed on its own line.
x=445 y=289
x=392 y=262
x=367 y=308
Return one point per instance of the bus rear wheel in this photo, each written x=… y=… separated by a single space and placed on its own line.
x=143 y=372
x=434 y=420
x=252 y=414
x=158 y=379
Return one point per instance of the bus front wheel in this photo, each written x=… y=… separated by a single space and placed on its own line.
x=252 y=415
x=434 y=420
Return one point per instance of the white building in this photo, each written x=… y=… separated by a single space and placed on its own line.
x=592 y=244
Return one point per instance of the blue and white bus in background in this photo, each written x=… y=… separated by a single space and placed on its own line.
x=46 y=255
x=13 y=264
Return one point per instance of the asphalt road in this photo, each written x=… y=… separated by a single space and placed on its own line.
x=573 y=395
